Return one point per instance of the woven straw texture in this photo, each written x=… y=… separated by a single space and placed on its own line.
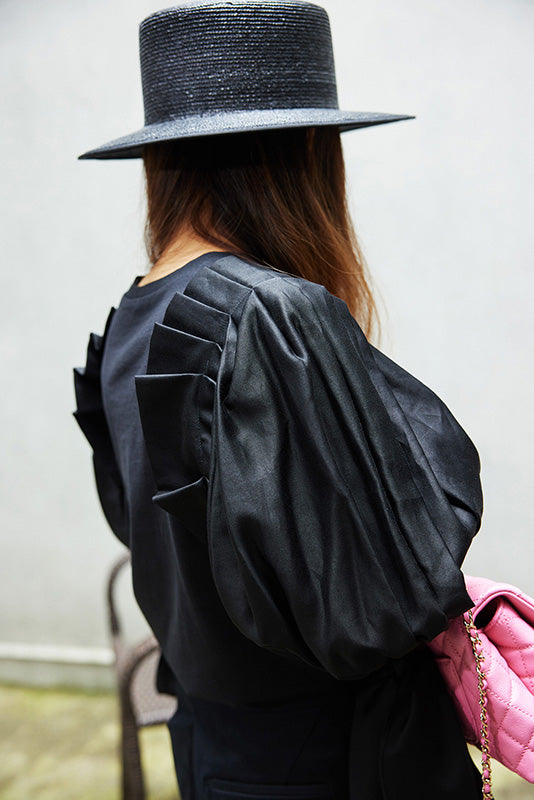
x=215 y=66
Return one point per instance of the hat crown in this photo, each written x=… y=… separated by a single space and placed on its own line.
x=212 y=56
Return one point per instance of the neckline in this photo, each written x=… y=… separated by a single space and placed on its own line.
x=150 y=288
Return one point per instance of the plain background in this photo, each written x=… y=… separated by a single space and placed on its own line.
x=442 y=204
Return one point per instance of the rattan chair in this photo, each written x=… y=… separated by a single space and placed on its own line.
x=141 y=704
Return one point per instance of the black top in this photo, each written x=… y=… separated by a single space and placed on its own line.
x=124 y=357
x=166 y=563
x=312 y=505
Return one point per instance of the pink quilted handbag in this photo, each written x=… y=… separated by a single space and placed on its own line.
x=486 y=658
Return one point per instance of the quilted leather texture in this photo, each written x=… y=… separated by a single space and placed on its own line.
x=508 y=647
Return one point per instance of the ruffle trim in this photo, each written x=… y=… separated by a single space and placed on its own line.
x=177 y=395
x=89 y=408
x=90 y=417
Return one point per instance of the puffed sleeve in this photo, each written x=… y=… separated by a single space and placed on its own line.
x=340 y=494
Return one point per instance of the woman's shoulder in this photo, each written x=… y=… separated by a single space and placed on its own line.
x=232 y=283
x=256 y=275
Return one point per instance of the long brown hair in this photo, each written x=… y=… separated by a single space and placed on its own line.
x=275 y=197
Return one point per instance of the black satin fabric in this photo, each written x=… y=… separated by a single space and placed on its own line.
x=320 y=500
x=340 y=494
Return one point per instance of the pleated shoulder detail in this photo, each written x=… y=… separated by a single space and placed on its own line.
x=176 y=396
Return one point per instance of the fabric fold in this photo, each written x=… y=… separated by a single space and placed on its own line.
x=175 y=351
x=189 y=504
x=176 y=412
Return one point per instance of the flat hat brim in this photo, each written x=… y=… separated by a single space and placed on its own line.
x=131 y=146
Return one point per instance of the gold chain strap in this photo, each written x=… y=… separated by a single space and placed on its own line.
x=476 y=644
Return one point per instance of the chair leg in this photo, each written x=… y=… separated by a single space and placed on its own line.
x=132 y=774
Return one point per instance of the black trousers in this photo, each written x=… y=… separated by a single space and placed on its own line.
x=393 y=736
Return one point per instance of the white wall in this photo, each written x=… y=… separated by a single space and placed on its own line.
x=443 y=205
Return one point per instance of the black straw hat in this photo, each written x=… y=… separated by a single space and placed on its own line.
x=225 y=66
